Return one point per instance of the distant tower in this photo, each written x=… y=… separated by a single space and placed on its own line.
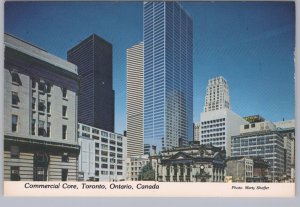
x=218 y=123
x=96 y=104
x=135 y=94
x=217 y=95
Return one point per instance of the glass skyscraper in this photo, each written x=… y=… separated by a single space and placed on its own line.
x=168 y=75
x=96 y=100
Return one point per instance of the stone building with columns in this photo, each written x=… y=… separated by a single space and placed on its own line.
x=195 y=163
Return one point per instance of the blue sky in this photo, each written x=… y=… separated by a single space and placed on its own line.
x=251 y=44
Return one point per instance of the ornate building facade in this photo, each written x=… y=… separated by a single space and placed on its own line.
x=196 y=163
x=40 y=110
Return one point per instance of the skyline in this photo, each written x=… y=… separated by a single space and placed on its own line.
x=218 y=48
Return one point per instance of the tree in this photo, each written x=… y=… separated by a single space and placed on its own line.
x=147 y=172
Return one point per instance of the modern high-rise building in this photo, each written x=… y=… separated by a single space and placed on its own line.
x=93 y=56
x=135 y=91
x=218 y=122
x=217 y=95
x=168 y=75
x=40 y=114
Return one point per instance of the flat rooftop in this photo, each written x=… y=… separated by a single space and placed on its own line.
x=36 y=52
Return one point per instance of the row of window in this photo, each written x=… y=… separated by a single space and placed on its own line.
x=104 y=146
x=45 y=87
x=40 y=174
x=213 y=121
x=247 y=126
x=212 y=125
x=104 y=135
x=105 y=166
x=42 y=131
x=15 y=154
x=106 y=173
x=42 y=107
x=111 y=154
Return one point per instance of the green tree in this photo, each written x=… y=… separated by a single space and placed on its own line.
x=147 y=172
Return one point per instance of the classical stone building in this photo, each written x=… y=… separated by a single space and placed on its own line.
x=40 y=110
x=196 y=163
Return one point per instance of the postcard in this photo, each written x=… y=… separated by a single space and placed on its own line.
x=149 y=99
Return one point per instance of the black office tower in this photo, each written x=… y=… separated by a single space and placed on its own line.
x=96 y=105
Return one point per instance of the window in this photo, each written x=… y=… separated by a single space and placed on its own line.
x=14 y=98
x=104 y=159
x=64 y=174
x=33 y=83
x=65 y=157
x=95 y=131
x=33 y=127
x=104 y=153
x=48 y=129
x=86 y=128
x=33 y=103
x=15 y=78
x=48 y=107
x=42 y=105
x=42 y=86
x=14 y=124
x=41 y=131
x=104 y=166
x=64 y=131
x=14 y=152
x=246 y=126
x=64 y=92
x=253 y=125
x=105 y=134
x=49 y=87
x=15 y=173
x=64 y=111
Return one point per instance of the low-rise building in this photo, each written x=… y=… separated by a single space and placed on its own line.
x=246 y=169
x=135 y=165
x=110 y=151
x=240 y=169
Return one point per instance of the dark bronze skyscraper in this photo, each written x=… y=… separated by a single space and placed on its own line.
x=96 y=104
